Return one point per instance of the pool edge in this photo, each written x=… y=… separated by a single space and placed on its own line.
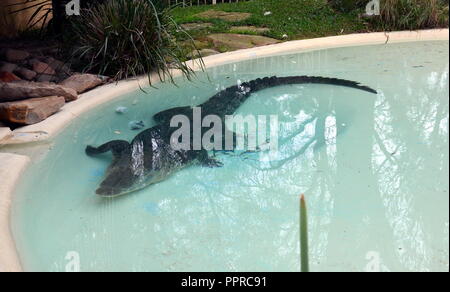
x=9 y=259
x=12 y=167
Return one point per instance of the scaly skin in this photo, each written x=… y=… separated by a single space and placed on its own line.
x=149 y=158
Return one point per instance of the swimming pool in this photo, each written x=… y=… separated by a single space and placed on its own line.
x=374 y=170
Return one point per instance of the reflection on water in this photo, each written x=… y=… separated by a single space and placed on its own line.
x=398 y=164
x=374 y=169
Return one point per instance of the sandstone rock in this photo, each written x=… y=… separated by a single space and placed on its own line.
x=12 y=55
x=57 y=65
x=196 y=26
x=41 y=67
x=252 y=29
x=64 y=70
x=83 y=82
x=25 y=73
x=240 y=41
x=30 y=111
x=62 y=76
x=8 y=77
x=227 y=16
x=46 y=78
x=208 y=52
x=25 y=89
x=199 y=44
x=7 y=67
x=52 y=62
x=202 y=53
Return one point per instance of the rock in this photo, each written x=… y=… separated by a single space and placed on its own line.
x=8 y=77
x=202 y=53
x=46 y=78
x=240 y=41
x=7 y=67
x=12 y=55
x=30 y=111
x=196 y=26
x=83 y=82
x=208 y=52
x=252 y=29
x=227 y=16
x=121 y=110
x=25 y=89
x=199 y=44
x=62 y=76
x=26 y=74
x=60 y=67
x=64 y=70
x=41 y=67
x=53 y=63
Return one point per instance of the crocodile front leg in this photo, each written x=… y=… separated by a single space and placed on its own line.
x=208 y=161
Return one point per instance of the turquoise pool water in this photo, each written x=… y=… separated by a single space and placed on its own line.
x=374 y=169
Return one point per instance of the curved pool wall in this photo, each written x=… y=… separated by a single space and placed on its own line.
x=51 y=127
x=8 y=179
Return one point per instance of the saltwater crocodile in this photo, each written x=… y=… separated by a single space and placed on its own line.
x=149 y=158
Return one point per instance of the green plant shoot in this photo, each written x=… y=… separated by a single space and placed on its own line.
x=304 y=253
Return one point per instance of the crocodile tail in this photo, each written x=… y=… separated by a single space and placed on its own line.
x=262 y=83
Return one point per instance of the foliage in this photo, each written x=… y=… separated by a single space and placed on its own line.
x=401 y=14
x=42 y=11
x=413 y=14
x=347 y=5
x=127 y=38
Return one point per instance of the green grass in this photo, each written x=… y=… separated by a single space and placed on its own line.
x=298 y=19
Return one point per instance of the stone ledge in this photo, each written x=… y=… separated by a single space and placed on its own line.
x=12 y=166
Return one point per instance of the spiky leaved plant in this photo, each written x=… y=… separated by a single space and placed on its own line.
x=127 y=38
x=42 y=11
x=413 y=14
